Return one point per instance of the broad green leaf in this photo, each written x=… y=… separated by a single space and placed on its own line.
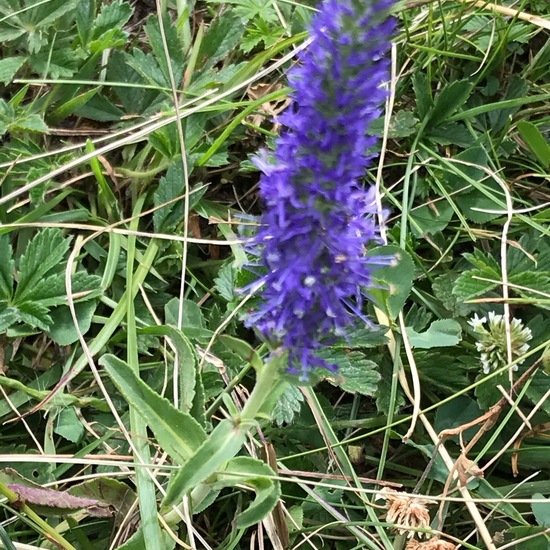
x=9 y=66
x=255 y=475
x=7 y=266
x=222 y=445
x=68 y=425
x=177 y=432
x=535 y=141
x=62 y=330
x=541 y=510
x=486 y=491
x=355 y=374
x=193 y=324
x=395 y=281
x=457 y=412
x=444 y=371
x=441 y=333
x=430 y=219
x=43 y=253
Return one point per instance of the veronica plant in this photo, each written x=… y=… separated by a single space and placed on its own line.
x=318 y=219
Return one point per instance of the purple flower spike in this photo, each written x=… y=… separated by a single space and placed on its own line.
x=318 y=219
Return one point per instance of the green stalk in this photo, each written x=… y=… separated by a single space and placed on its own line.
x=145 y=486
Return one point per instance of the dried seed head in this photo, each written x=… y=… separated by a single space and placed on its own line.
x=406 y=512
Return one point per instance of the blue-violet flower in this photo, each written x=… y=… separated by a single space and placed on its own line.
x=318 y=219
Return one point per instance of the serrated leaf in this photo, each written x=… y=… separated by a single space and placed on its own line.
x=44 y=253
x=51 y=291
x=223 y=35
x=34 y=314
x=115 y=14
x=356 y=373
x=177 y=432
x=9 y=66
x=173 y=47
x=533 y=283
x=451 y=98
x=470 y=285
x=225 y=283
x=7 y=266
x=421 y=93
x=441 y=333
x=288 y=405
x=256 y=475
x=8 y=317
x=29 y=123
x=444 y=371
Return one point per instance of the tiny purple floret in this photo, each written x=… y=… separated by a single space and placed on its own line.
x=318 y=218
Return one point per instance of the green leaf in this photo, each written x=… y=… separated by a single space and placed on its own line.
x=431 y=219
x=355 y=374
x=7 y=266
x=68 y=425
x=541 y=510
x=471 y=283
x=192 y=319
x=421 y=93
x=451 y=98
x=43 y=253
x=152 y=28
x=225 y=283
x=9 y=66
x=288 y=405
x=441 y=333
x=171 y=192
x=443 y=290
x=8 y=317
x=115 y=14
x=395 y=280
x=223 y=35
x=34 y=314
x=222 y=445
x=137 y=541
x=62 y=329
x=177 y=432
x=257 y=476
x=187 y=361
x=535 y=141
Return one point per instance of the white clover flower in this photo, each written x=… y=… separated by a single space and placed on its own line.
x=492 y=340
